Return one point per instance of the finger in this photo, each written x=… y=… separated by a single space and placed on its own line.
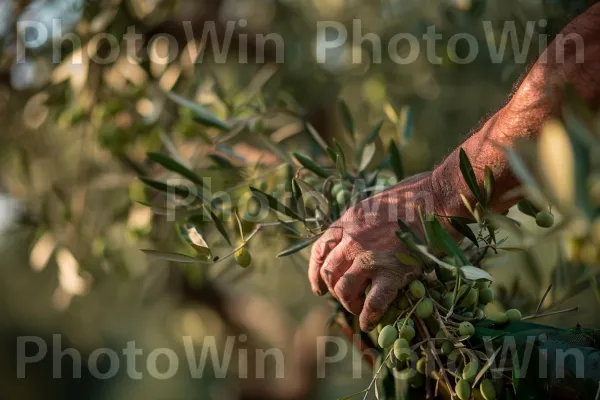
x=319 y=252
x=350 y=289
x=336 y=264
x=383 y=292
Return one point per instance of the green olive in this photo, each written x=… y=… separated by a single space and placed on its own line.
x=463 y=389
x=242 y=257
x=402 y=349
x=470 y=371
x=513 y=315
x=387 y=336
x=544 y=219
x=416 y=289
x=466 y=329
x=425 y=308
x=408 y=333
x=486 y=296
x=487 y=389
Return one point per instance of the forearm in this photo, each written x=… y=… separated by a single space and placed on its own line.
x=537 y=99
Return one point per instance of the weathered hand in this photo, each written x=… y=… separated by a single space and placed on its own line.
x=359 y=249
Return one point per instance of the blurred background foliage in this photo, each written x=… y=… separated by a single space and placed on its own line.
x=76 y=135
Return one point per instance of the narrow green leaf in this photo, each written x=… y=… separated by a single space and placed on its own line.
x=313 y=132
x=340 y=164
x=190 y=235
x=221 y=161
x=201 y=114
x=474 y=274
x=407 y=229
x=489 y=184
x=275 y=205
x=427 y=229
x=175 y=166
x=396 y=159
x=308 y=191
x=298 y=246
x=469 y=175
x=407 y=130
x=374 y=134
x=444 y=242
x=347 y=119
x=219 y=225
x=464 y=230
x=332 y=155
x=311 y=165
x=182 y=258
x=163 y=187
x=367 y=156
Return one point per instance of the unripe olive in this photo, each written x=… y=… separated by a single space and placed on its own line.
x=447 y=347
x=470 y=298
x=470 y=371
x=422 y=365
x=242 y=257
x=593 y=184
x=486 y=296
x=544 y=219
x=387 y=336
x=338 y=187
x=513 y=315
x=463 y=389
x=441 y=335
x=487 y=389
x=435 y=295
x=343 y=197
x=468 y=314
x=448 y=300
x=425 y=308
x=478 y=313
x=466 y=329
x=481 y=284
x=417 y=289
x=402 y=349
x=392 y=180
x=498 y=317
x=408 y=333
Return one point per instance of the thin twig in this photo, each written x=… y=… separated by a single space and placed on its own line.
x=534 y=316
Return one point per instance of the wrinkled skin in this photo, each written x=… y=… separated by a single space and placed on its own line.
x=359 y=249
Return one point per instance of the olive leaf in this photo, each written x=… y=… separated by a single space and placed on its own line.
x=219 y=225
x=396 y=159
x=373 y=135
x=464 y=230
x=346 y=116
x=190 y=234
x=221 y=161
x=367 y=156
x=175 y=166
x=340 y=163
x=475 y=274
x=489 y=184
x=274 y=204
x=407 y=229
x=201 y=114
x=308 y=191
x=311 y=165
x=298 y=246
x=469 y=175
x=176 y=257
x=313 y=132
x=444 y=242
x=163 y=187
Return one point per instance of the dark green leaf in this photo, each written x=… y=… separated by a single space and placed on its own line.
x=308 y=191
x=444 y=242
x=182 y=258
x=396 y=159
x=367 y=156
x=221 y=161
x=175 y=166
x=407 y=229
x=340 y=164
x=469 y=175
x=347 y=119
x=298 y=246
x=489 y=184
x=464 y=230
x=407 y=130
x=200 y=113
x=163 y=187
x=374 y=134
x=332 y=155
x=219 y=225
x=274 y=204
x=311 y=165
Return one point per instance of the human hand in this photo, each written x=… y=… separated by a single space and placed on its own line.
x=360 y=250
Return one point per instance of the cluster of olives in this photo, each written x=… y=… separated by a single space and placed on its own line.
x=421 y=314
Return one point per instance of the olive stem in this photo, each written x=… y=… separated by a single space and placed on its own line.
x=550 y=313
